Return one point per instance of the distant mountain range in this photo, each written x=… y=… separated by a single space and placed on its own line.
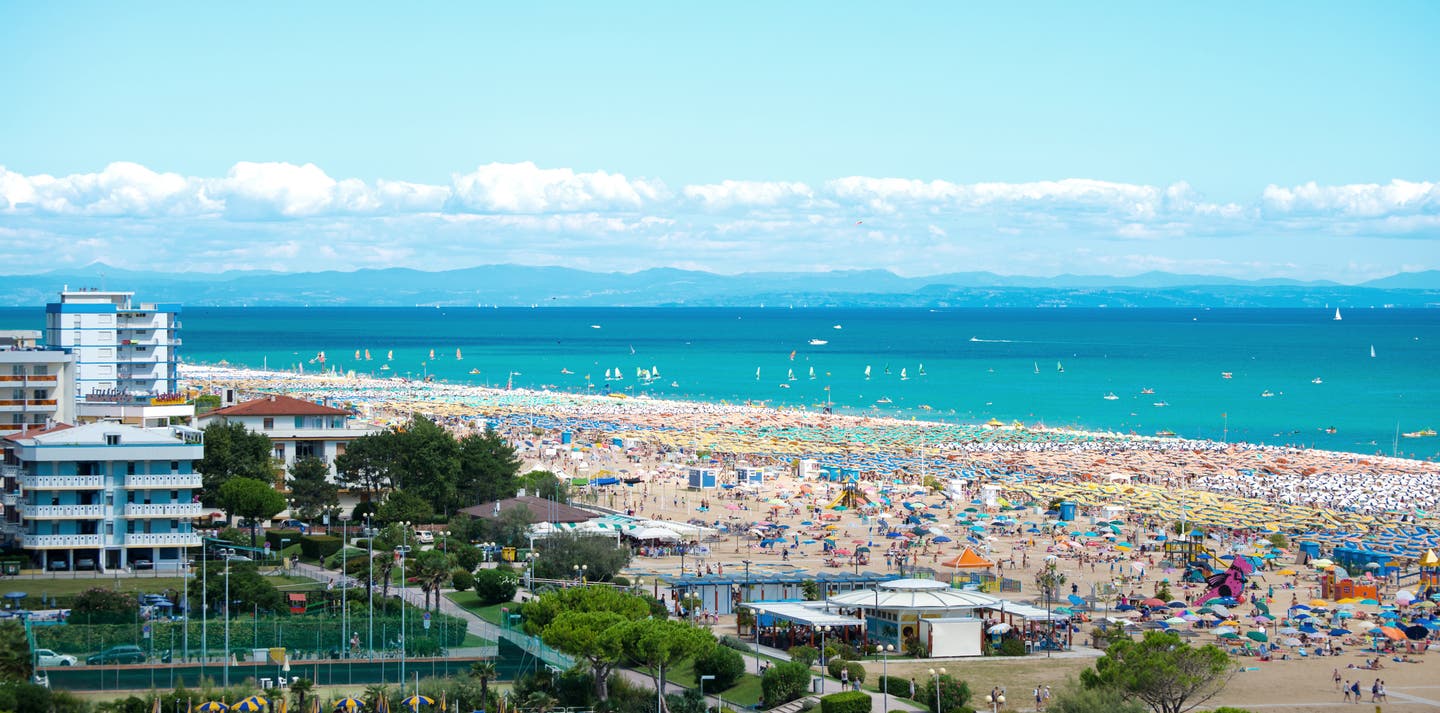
x=518 y=285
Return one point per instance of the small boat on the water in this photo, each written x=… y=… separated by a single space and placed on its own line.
x=903 y=375
x=384 y=367
x=1226 y=375
x=1331 y=430
x=1059 y=368
x=1317 y=380
x=1166 y=432
x=432 y=353
x=566 y=371
x=1372 y=351
x=1111 y=397
x=790 y=375
x=867 y=372
x=1037 y=366
x=1337 y=314
x=367 y=355
x=1147 y=390
x=390 y=355
x=812 y=373
x=757 y=373
x=1266 y=394
x=884 y=400
x=474 y=371
x=458 y=357
x=1161 y=404
x=818 y=342
x=1423 y=433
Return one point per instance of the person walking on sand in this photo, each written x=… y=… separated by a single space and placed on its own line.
x=1346 y=689
x=1355 y=690
x=1336 y=675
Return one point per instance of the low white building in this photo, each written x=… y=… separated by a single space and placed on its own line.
x=37 y=385
x=297 y=428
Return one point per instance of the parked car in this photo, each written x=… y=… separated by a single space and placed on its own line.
x=125 y=653
x=59 y=565
x=143 y=564
x=404 y=550
x=425 y=537
x=294 y=525
x=85 y=563
x=46 y=657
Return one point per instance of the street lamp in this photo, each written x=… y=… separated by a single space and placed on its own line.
x=580 y=570
x=995 y=699
x=823 y=631
x=703 y=679
x=370 y=588
x=530 y=558
x=885 y=652
x=404 y=544
x=935 y=676
x=344 y=586
x=228 y=555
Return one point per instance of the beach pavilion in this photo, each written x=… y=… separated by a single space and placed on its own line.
x=893 y=610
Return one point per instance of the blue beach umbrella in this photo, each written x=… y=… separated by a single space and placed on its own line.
x=253 y=704
x=414 y=702
x=212 y=707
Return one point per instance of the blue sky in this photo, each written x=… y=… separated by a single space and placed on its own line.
x=1244 y=139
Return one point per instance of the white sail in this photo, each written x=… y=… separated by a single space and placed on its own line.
x=812 y=372
x=1337 y=314
x=1372 y=351
x=654 y=372
x=867 y=371
x=1037 y=367
x=922 y=370
x=619 y=375
x=757 y=373
x=790 y=375
x=903 y=375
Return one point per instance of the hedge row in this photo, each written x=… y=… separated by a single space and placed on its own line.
x=847 y=702
x=301 y=633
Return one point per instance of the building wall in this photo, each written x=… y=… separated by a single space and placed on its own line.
x=36 y=386
x=118 y=345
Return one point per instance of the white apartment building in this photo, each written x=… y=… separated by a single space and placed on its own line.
x=105 y=496
x=126 y=356
x=36 y=384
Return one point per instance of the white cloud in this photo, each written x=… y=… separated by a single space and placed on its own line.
x=527 y=188
x=121 y=189
x=1367 y=200
x=729 y=194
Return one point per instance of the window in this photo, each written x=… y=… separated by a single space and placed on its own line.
x=268 y=424
x=174 y=466
x=109 y=528
x=112 y=439
x=130 y=468
x=174 y=496
x=174 y=525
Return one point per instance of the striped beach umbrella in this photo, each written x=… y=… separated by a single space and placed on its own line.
x=414 y=702
x=253 y=704
x=349 y=705
x=212 y=707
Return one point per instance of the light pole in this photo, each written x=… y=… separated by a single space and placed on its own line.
x=204 y=607
x=580 y=570
x=344 y=585
x=404 y=543
x=227 y=618
x=935 y=676
x=370 y=589
x=885 y=652
x=823 y=631
x=995 y=699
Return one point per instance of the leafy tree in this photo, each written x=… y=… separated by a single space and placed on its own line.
x=404 y=506
x=248 y=589
x=461 y=580
x=484 y=670
x=205 y=403
x=1049 y=580
x=432 y=570
x=427 y=462
x=98 y=605
x=488 y=469
x=540 y=612
x=544 y=484
x=561 y=552
x=466 y=556
x=368 y=463
x=784 y=682
x=1074 y=698
x=232 y=451
x=252 y=499
x=512 y=526
x=953 y=694
x=597 y=637
x=311 y=489
x=659 y=644
x=724 y=663
x=807 y=655
x=16 y=663
x=1162 y=671
x=496 y=586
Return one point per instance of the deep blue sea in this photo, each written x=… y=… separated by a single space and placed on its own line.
x=978 y=363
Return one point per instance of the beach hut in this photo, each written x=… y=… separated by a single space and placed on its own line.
x=702 y=478
x=747 y=474
x=806 y=467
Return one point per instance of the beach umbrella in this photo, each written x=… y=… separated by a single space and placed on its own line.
x=1153 y=602
x=1339 y=632
x=414 y=702
x=1289 y=630
x=1291 y=641
x=1259 y=636
x=1075 y=600
x=1224 y=630
x=1000 y=628
x=1392 y=633
x=212 y=707
x=1345 y=614
x=943 y=538
x=1416 y=632
x=349 y=704
x=1176 y=605
x=1176 y=621
x=253 y=704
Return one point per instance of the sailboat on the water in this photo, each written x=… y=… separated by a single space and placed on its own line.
x=812 y=373
x=1372 y=351
x=903 y=375
x=1059 y=368
x=921 y=370
x=1037 y=367
x=757 y=373
x=458 y=357
x=790 y=376
x=1337 y=314
x=867 y=372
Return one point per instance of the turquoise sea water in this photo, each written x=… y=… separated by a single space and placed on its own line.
x=979 y=363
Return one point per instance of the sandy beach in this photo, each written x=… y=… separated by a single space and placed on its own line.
x=1238 y=493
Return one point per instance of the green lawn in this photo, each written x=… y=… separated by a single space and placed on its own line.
x=745 y=692
x=490 y=613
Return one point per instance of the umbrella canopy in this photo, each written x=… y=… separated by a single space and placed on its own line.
x=349 y=705
x=1001 y=628
x=253 y=704
x=1416 y=632
x=414 y=702
x=1259 y=636
x=15 y=595
x=211 y=707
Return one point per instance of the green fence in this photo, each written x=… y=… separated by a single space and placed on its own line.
x=305 y=636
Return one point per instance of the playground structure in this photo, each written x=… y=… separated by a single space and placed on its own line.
x=1189 y=551
x=850 y=497
x=1335 y=588
x=1428 y=582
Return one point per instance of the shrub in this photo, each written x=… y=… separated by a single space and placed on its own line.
x=274 y=536
x=784 y=682
x=620 y=581
x=895 y=686
x=98 y=605
x=495 y=586
x=915 y=648
x=856 y=671
x=807 y=655
x=731 y=642
x=847 y=702
x=725 y=664
x=953 y=693
x=461 y=579
x=834 y=666
x=319 y=546
x=1012 y=647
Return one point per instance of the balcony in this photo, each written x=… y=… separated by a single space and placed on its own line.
x=10 y=380
x=62 y=482
x=162 y=539
x=171 y=481
x=61 y=512
x=9 y=499
x=49 y=542
x=8 y=404
x=171 y=510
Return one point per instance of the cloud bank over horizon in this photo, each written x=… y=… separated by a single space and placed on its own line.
x=289 y=217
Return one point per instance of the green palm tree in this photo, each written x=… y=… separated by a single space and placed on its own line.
x=540 y=702
x=299 y=689
x=484 y=670
x=374 y=693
